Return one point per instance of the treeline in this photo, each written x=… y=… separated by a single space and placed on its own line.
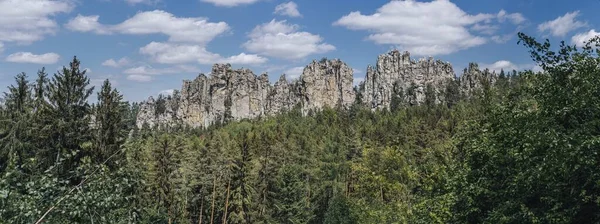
x=524 y=149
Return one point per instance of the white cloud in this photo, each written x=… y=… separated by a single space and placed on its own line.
x=27 y=21
x=488 y=29
x=357 y=81
x=145 y=73
x=580 y=39
x=147 y=2
x=179 y=29
x=88 y=71
x=170 y=53
x=116 y=64
x=87 y=24
x=500 y=39
x=167 y=92
x=28 y=57
x=1 y=47
x=562 y=25
x=515 y=18
x=423 y=28
x=499 y=65
x=294 y=73
x=188 y=37
x=288 y=9
x=139 y=78
x=508 y=66
x=281 y=40
x=244 y=59
x=147 y=70
x=230 y=3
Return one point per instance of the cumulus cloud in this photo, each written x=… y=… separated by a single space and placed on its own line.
x=116 y=63
x=562 y=25
x=179 y=29
x=188 y=37
x=139 y=78
x=230 y=3
x=171 y=53
x=145 y=73
x=87 y=24
x=581 y=39
x=167 y=92
x=147 y=2
x=287 y=9
x=426 y=28
x=27 y=21
x=28 y=57
x=515 y=18
x=282 y=40
x=508 y=66
x=294 y=73
x=357 y=81
x=244 y=59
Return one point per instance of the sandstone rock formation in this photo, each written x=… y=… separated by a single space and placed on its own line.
x=396 y=75
x=327 y=83
x=473 y=79
x=229 y=94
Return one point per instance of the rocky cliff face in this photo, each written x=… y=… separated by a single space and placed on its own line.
x=327 y=83
x=473 y=79
x=397 y=76
x=229 y=94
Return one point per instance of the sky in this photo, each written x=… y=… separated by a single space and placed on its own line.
x=147 y=47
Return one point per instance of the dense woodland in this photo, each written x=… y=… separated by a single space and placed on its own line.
x=523 y=150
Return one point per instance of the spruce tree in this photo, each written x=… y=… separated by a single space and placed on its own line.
x=109 y=125
x=69 y=111
x=15 y=142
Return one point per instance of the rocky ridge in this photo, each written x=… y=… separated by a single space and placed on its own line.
x=233 y=94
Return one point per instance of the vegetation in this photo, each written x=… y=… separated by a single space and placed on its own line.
x=522 y=150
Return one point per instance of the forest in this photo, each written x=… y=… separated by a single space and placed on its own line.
x=524 y=149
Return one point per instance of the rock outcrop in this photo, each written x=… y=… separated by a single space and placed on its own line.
x=327 y=83
x=228 y=94
x=397 y=76
x=473 y=79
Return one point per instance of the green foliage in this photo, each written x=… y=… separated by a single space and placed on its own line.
x=522 y=150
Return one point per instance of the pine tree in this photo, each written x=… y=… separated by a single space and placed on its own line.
x=15 y=139
x=110 y=127
x=69 y=112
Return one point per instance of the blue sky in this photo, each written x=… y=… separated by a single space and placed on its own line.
x=148 y=46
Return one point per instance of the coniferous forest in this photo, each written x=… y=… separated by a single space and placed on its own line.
x=523 y=150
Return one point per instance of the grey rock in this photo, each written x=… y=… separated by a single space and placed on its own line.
x=327 y=83
x=229 y=94
x=473 y=79
x=396 y=75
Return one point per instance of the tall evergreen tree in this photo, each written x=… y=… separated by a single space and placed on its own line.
x=69 y=111
x=109 y=125
x=15 y=142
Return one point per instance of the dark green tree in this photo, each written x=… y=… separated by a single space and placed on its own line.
x=69 y=112
x=15 y=136
x=109 y=123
